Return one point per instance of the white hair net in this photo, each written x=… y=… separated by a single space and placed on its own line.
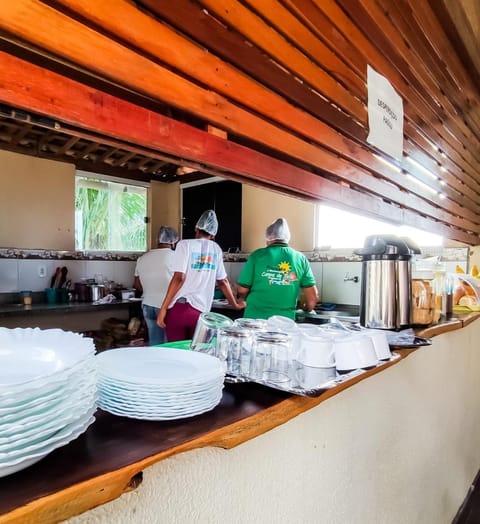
x=167 y=235
x=208 y=222
x=278 y=230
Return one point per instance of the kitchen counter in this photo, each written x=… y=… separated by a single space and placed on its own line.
x=71 y=316
x=109 y=458
x=8 y=310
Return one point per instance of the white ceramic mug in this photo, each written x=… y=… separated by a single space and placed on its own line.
x=380 y=343
x=316 y=349
x=354 y=352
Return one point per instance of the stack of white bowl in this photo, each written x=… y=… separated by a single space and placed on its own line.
x=159 y=383
x=48 y=393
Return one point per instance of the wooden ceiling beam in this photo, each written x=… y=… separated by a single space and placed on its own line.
x=190 y=19
x=313 y=18
x=123 y=160
x=107 y=154
x=21 y=133
x=67 y=146
x=84 y=153
x=413 y=67
x=35 y=89
x=413 y=106
x=230 y=116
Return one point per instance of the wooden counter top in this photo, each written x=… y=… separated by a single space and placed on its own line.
x=108 y=459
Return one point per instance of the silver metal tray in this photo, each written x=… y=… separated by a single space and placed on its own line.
x=308 y=388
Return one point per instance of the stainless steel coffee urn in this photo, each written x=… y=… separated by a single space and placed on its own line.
x=386 y=290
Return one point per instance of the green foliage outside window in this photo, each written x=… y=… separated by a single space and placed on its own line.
x=109 y=216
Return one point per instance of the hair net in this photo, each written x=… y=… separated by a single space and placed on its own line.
x=278 y=230
x=208 y=222
x=167 y=235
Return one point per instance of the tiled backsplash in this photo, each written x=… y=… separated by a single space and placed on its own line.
x=336 y=280
x=334 y=272
x=35 y=274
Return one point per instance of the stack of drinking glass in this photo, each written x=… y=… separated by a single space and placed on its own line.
x=158 y=383
x=281 y=353
x=48 y=393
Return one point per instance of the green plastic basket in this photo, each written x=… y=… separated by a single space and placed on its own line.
x=179 y=344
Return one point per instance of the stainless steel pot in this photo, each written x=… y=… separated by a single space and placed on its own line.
x=96 y=292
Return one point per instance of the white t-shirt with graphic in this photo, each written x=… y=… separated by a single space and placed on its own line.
x=154 y=272
x=201 y=260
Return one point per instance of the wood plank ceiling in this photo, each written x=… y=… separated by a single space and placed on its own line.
x=286 y=81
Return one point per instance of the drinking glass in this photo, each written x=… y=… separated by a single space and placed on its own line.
x=257 y=324
x=205 y=334
x=271 y=357
x=234 y=345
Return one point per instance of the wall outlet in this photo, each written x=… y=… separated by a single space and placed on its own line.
x=42 y=271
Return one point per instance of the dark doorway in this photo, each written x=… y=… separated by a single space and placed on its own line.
x=226 y=199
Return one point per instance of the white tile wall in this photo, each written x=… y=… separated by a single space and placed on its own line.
x=8 y=275
x=29 y=272
x=335 y=289
x=317 y=270
x=233 y=271
x=99 y=267
x=76 y=270
x=123 y=272
x=19 y=274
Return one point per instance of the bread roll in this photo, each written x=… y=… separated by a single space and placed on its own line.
x=468 y=301
x=458 y=294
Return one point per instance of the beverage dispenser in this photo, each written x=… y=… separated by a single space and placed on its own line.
x=386 y=288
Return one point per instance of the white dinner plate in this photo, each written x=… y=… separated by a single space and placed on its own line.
x=162 y=415
x=23 y=461
x=146 y=365
x=116 y=388
x=45 y=431
x=32 y=355
x=20 y=409
x=142 y=408
x=149 y=403
x=57 y=438
x=73 y=403
x=67 y=394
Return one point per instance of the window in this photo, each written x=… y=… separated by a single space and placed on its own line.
x=109 y=215
x=340 y=229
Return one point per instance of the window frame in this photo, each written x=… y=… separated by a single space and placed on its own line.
x=115 y=180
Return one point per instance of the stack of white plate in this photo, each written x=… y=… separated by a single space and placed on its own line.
x=158 y=383
x=48 y=393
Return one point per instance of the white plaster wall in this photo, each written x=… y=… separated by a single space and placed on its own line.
x=260 y=207
x=37 y=202
x=399 y=447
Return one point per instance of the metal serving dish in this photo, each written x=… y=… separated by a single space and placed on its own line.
x=319 y=316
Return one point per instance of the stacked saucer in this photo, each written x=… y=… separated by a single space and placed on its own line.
x=48 y=393
x=158 y=383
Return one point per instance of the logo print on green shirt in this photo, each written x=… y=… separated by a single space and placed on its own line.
x=283 y=276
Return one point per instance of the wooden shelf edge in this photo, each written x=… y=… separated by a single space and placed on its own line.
x=86 y=495
x=105 y=488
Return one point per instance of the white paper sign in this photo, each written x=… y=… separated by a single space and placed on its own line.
x=385 y=115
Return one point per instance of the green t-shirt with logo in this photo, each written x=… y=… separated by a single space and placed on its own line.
x=275 y=275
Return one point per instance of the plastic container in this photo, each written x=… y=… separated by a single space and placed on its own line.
x=51 y=295
x=424 y=302
x=26 y=298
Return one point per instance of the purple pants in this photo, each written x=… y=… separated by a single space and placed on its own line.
x=181 y=320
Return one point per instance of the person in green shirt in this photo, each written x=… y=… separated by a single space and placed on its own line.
x=274 y=276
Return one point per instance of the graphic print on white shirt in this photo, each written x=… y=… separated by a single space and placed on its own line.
x=204 y=261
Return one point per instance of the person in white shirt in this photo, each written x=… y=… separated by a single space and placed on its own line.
x=152 y=276
x=197 y=266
